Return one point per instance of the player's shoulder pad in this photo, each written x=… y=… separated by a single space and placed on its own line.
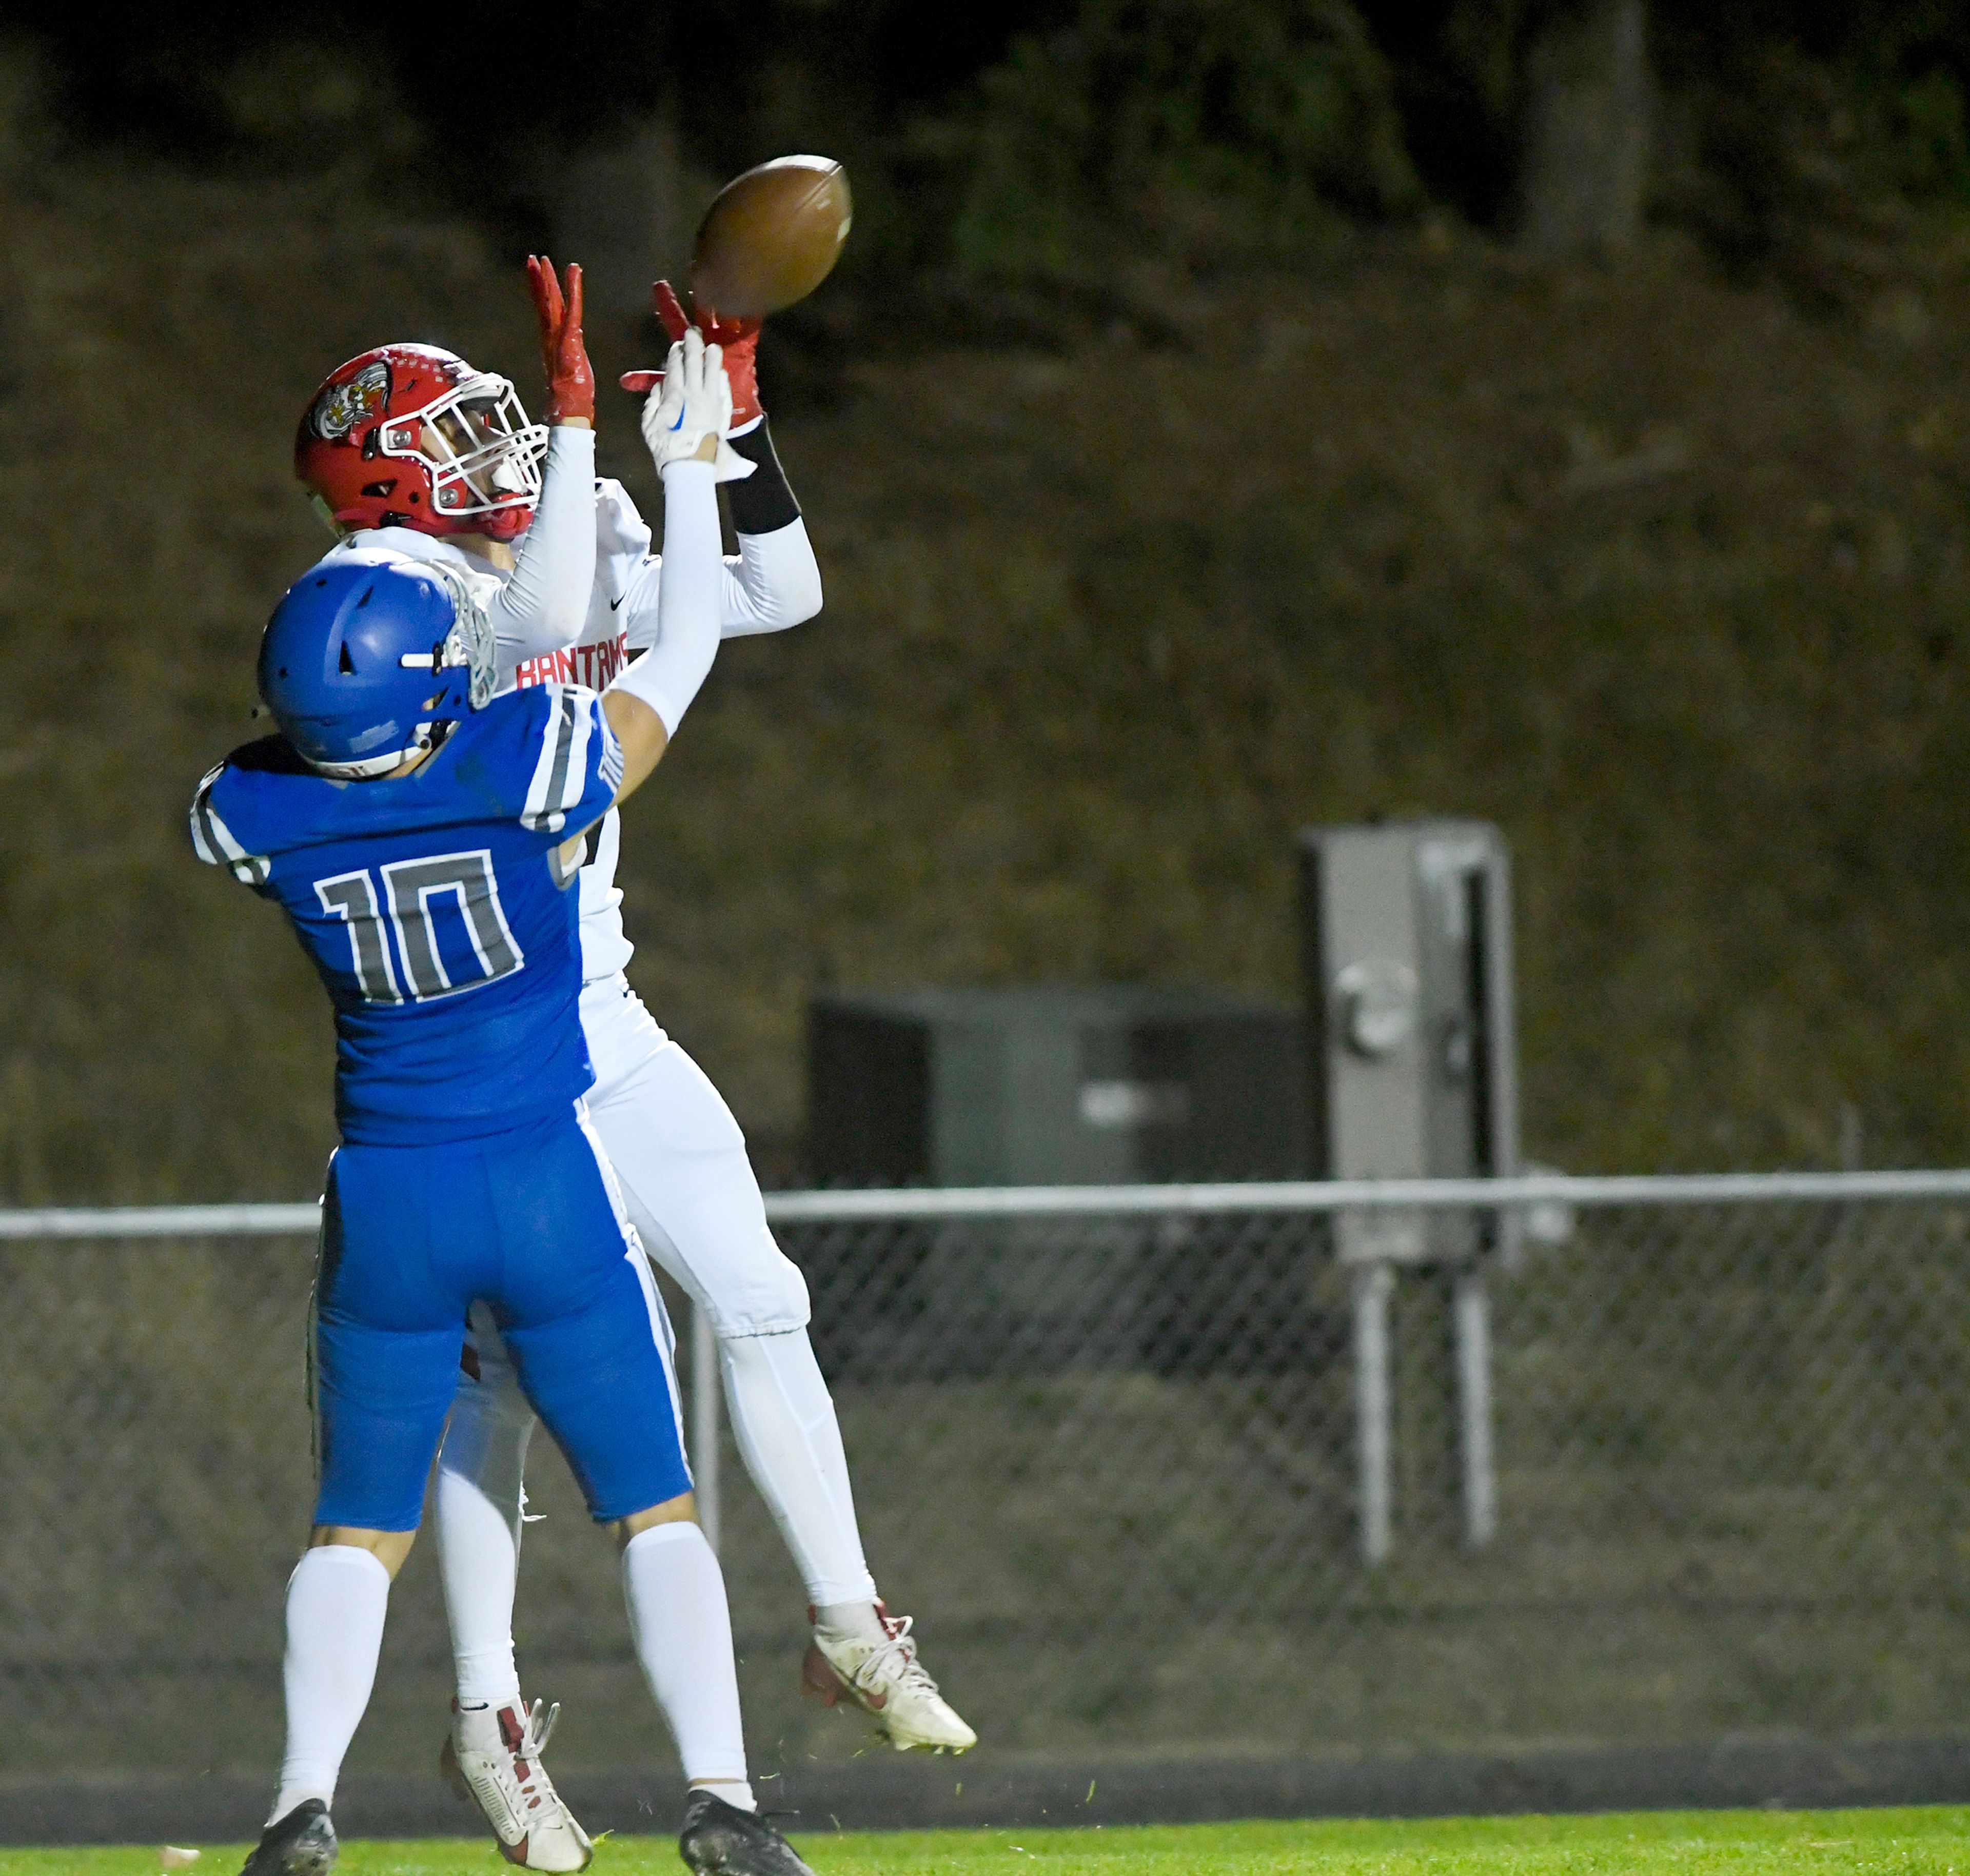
x=536 y=753
x=620 y=528
x=224 y=830
x=401 y=543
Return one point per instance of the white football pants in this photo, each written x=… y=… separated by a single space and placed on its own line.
x=689 y=1189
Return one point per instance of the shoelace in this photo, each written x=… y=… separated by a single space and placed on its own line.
x=536 y=1788
x=539 y=1731
x=897 y=1658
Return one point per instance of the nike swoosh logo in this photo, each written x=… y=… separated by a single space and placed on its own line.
x=614 y=604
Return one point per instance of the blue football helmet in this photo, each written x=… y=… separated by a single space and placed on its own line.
x=367 y=654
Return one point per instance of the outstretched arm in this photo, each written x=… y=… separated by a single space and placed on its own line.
x=773 y=582
x=543 y=605
x=645 y=705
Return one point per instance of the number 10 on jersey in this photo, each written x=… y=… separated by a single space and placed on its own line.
x=451 y=930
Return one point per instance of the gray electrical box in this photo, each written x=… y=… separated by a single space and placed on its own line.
x=1106 y=1084
x=1409 y=1008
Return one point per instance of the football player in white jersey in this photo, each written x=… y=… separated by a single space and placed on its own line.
x=410 y=450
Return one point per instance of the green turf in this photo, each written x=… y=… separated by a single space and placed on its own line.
x=1929 y=1843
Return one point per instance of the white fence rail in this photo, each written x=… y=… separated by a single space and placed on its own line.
x=1058 y=1201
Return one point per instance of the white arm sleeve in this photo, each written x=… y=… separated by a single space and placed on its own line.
x=545 y=603
x=771 y=583
x=777 y=582
x=667 y=677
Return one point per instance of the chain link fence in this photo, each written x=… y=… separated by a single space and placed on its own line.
x=1154 y=1468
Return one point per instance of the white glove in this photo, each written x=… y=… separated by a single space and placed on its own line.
x=691 y=407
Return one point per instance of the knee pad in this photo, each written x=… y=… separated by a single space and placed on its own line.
x=760 y=1290
x=738 y=1275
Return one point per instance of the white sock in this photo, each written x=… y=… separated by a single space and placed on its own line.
x=738 y=1794
x=784 y=1420
x=859 y=1619
x=682 y=1631
x=336 y=1600
x=479 y=1561
x=478 y=1509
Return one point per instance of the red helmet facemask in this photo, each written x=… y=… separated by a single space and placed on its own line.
x=411 y=436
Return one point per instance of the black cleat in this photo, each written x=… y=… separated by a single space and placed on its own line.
x=719 y=1839
x=300 y=1844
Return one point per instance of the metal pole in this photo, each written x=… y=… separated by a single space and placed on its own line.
x=704 y=1395
x=1471 y=1307
x=1374 y=1406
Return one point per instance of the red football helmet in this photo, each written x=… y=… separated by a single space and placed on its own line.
x=411 y=436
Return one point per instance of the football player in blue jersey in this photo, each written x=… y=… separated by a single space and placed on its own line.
x=423 y=834
x=411 y=451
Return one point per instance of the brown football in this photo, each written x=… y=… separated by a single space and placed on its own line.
x=772 y=236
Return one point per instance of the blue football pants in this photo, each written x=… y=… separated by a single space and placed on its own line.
x=529 y=1223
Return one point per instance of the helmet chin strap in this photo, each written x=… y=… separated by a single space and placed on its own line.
x=370 y=768
x=424 y=738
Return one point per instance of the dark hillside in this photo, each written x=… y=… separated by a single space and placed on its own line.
x=1666 y=578
x=1664 y=575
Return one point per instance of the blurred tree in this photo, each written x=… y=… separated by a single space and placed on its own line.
x=594 y=73
x=1813 y=156
x=1531 y=115
x=1040 y=135
x=1525 y=113
x=1585 y=127
x=1190 y=130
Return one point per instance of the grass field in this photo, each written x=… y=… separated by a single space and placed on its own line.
x=1928 y=1842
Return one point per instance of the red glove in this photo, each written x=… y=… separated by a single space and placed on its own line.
x=571 y=382
x=739 y=337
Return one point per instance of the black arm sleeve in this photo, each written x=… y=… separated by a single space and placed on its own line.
x=762 y=503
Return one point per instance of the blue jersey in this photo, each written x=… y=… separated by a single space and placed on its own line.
x=436 y=909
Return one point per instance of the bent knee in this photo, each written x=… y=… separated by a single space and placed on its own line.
x=391 y=1548
x=763 y=1294
x=682 y=1510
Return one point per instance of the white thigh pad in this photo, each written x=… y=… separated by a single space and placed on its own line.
x=681 y=1160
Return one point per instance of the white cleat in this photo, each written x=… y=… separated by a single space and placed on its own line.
x=493 y=1758
x=886 y=1680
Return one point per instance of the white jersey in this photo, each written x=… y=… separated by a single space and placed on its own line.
x=771 y=583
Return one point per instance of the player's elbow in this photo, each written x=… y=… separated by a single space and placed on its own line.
x=562 y=615
x=538 y=627
x=642 y=733
x=802 y=600
x=792 y=594
x=780 y=578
